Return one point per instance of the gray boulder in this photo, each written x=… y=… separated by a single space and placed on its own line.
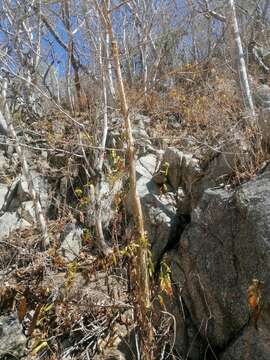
x=160 y=210
x=16 y=208
x=161 y=222
x=264 y=124
x=71 y=242
x=140 y=129
x=224 y=247
x=219 y=165
x=12 y=339
x=262 y=96
x=140 y=125
x=3 y=125
x=178 y=169
x=4 y=166
x=147 y=165
x=262 y=100
x=108 y=191
x=19 y=193
x=11 y=221
x=3 y=192
x=251 y=344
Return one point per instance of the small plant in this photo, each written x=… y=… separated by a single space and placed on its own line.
x=165 y=173
x=71 y=273
x=165 y=278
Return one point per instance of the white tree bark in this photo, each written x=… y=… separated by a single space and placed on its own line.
x=242 y=70
x=98 y=186
x=109 y=65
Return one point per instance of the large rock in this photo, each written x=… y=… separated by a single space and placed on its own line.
x=16 y=208
x=178 y=169
x=264 y=124
x=251 y=344
x=11 y=221
x=262 y=96
x=219 y=165
x=3 y=125
x=262 y=99
x=19 y=192
x=71 y=240
x=140 y=128
x=3 y=192
x=224 y=247
x=4 y=167
x=12 y=340
x=108 y=191
x=161 y=222
x=160 y=210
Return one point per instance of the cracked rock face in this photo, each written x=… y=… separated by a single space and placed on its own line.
x=160 y=210
x=225 y=246
x=12 y=340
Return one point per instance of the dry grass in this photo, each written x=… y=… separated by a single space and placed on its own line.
x=207 y=104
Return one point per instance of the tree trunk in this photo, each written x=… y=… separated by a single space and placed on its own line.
x=242 y=70
x=73 y=60
x=98 y=186
x=142 y=257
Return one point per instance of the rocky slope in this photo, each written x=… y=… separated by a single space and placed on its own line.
x=214 y=236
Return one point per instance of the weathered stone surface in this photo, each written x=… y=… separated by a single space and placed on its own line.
x=183 y=202
x=11 y=221
x=147 y=165
x=172 y=165
x=251 y=344
x=3 y=125
x=27 y=212
x=140 y=126
x=262 y=96
x=3 y=192
x=12 y=339
x=178 y=169
x=19 y=193
x=108 y=191
x=141 y=137
x=264 y=124
x=222 y=164
x=160 y=211
x=187 y=339
x=71 y=240
x=161 y=222
x=4 y=165
x=224 y=247
x=145 y=168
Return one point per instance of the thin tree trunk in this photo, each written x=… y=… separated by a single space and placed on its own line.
x=142 y=260
x=102 y=243
x=77 y=81
x=193 y=31
x=242 y=70
x=109 y=64
x=68 y=80
x=127 y=55
x=73 y=61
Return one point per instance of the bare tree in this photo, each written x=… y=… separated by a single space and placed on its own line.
x=242 y=70
x=143 y=286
